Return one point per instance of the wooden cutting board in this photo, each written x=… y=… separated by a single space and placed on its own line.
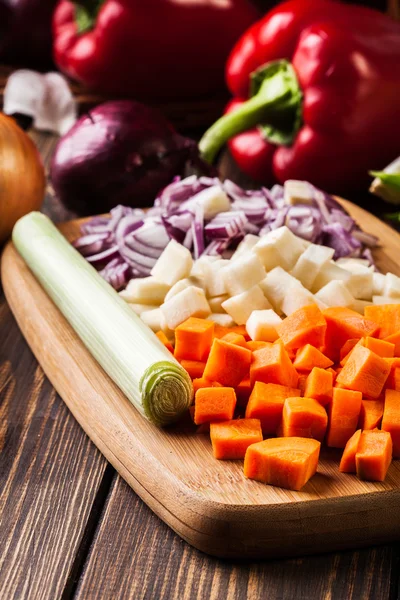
x=207 y=502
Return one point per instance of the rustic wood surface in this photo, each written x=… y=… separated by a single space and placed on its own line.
x=123 y=549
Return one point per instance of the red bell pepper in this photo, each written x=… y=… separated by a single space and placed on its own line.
x=328 y=114
x=149 y=49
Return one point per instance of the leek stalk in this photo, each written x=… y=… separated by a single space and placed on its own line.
x=127 y=350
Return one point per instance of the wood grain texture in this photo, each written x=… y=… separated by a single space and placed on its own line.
x=209 y=503
x=50 y=473
x=136 y=556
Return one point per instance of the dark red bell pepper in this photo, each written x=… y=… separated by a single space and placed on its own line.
x=149 y=49
x=324 y=81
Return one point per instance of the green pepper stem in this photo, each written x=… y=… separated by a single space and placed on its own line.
x=276 y=96
x=86 y=12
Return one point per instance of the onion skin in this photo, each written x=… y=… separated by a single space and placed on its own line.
x=22 y=176
x=121 y=152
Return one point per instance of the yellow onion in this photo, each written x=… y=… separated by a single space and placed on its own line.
x=22 y=177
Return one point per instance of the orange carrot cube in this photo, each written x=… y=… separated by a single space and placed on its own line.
x=230 y=439
x=285 y=462
x=391 y=419
x=266 y=404
x=374 y=455
x=386 y=317
x=235 y=338
x=308 y=357
x=348 y=461
x=344 y=324
x=165 y=341
x=382 y=348
x=365 y=372
x=243 y=391
x=393 y=380
x=273 y=365
x=304 y=326
x=301 y=384
x=195 y=368
x=193 y=339
x=304 y=417
x=371 y=414
x=204 y=383
x=394 y=338
x=227 y=363
x=343 y=415
x=347 y=348
x=220 y=330
x=214 y=404
x=319 y=385
x=256 y=345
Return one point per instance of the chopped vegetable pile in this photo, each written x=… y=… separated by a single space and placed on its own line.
x=210 y=217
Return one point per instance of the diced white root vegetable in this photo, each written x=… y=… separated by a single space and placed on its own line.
x=190 y=302
x=385 y=300
x=359 y=305
x=261 y=325
x=146 y=290
x=349 y=263
x=297 y=192
x=335 y=293
x=330 y=272
x=140 y=308
x=311 y=262
x=199 y=265
x=360 y=284
x=170 y=333
x=214 y=201
x=222 y=319
x=175 y=263
x=213 y=280
x=297 y=297
x=153 y=318
x=279 y=247
x=242 y=274
x=275 y=286
x=245 y=246
x=182 y=285
x=216 y=303
x=241 y=306
x=392 y=286
x=378 y=284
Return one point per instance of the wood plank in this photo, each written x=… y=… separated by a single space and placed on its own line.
x=209 y=503
x=50 y=473
x=135 y=556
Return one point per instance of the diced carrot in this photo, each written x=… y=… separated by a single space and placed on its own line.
x=319 y=385
x=235 y=338
x=393 y=380
x=164 y=340
x=343 y=414
x=214 y=404
x=347 y=347
x=365 y=372
x=230 y=439
x=301 y=384
x=391 y=419
x=273 y=365
x=344 y=360
x=334 y=374
x=304 y=417
x=256 y=345
x=344 y=324
x=195 y=368
x=203 y=428
x=285 y=462
x=386 y=316
x=266 y=404
x=243 y=391
x=227 y=363
x=348 y=461
x=220 y=330
x=308 y=357
x=304 y=326
x=370 y=414
x=241 y=330
x=201 y=382
x=394 y=339
x=374 y=455
x=193 y=339
x=382 y=348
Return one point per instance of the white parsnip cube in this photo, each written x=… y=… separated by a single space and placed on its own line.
x=310 y=263
x=330 y=272
x=276 y=285
x=385 y=300
x=175 y=263
x=359 y=305
x=261 y=325
x=146 y=290
x=199 y=265
x=392 y=286
x=182 y=285
x=349 y=263
x=335 y=293
x=296 y=191
x=213 y=280
x=213 y=200
x=360 y=283
x=242 y=274
x=222 y=319
x=279 y=247
x=141 y=308
x=378 y=284
x=190 y=302
x=245 y=246
x=241 y=306
x=153 y=319
x=216 y=303
x=298 y=296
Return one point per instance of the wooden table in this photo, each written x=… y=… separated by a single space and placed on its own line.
x=71 y=528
